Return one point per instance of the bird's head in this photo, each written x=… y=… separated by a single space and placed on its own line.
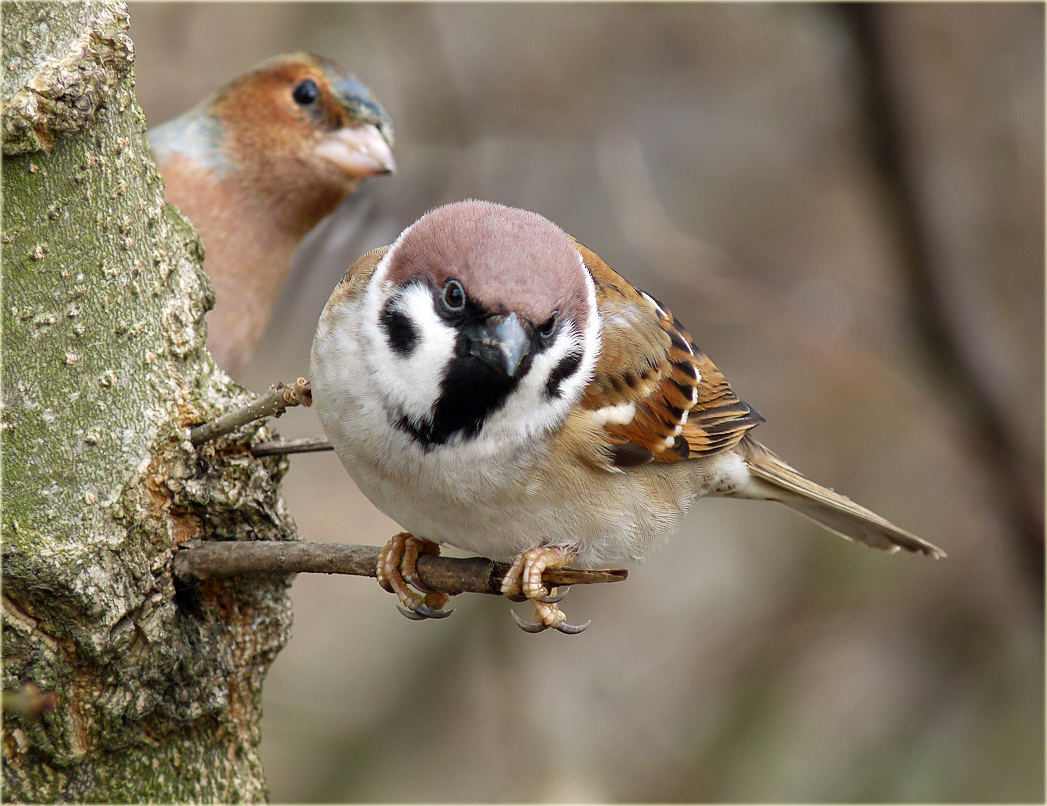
x=306 y=122
x=482 y=325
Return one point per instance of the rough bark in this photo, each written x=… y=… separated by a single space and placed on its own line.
x=156 y=690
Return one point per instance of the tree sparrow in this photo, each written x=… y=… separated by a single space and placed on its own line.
x=492 y=384
x=255 y=167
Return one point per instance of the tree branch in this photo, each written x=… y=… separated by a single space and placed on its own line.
x=197 y=561
x=282 y=447
x=273 y=403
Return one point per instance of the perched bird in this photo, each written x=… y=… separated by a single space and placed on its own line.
x=492 y=384
x=255 y=167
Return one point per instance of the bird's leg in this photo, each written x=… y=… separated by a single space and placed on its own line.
x=524 y=578
x=397 y=572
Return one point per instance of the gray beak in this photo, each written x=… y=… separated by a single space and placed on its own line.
x=502 y=342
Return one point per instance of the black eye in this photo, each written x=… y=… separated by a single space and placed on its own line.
x=305 y=92
x=453 y=296
x=548 y=327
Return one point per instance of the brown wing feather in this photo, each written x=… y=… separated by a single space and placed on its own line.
x=681 y=405
x=719 y=418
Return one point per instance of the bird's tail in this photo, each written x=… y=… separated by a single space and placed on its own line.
x=774 y=480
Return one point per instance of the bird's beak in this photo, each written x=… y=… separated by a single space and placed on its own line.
x=358 y=150
x=501 y=342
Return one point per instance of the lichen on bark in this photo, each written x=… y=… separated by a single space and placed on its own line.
x=104 y=366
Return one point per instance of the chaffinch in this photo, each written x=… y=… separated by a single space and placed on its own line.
x=255 y=167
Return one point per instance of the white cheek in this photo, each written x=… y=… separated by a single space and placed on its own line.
x=411 y=383
x=530 y=411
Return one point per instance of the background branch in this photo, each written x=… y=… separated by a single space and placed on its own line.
x=1001 y=456
x=976 y=422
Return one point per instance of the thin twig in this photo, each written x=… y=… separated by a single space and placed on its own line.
x=273 y=403
x=199 y=561
x=282 y=447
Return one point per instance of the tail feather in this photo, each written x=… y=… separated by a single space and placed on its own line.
x=774 y=480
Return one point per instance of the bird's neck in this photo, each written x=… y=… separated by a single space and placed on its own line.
x=292 y=208
x=250 y=234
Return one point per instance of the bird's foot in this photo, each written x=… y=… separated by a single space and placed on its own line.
x=524 y=579
x=397 y=572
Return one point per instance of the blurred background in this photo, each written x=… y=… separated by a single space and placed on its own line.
x=845 y=205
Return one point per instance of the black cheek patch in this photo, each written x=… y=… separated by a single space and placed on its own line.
x=564 y=370
x=399 y=330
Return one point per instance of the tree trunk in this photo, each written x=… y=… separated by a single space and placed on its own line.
x=156 y=691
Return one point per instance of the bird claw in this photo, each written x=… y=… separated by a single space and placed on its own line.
x=524 y=578
x=422 y=611
x=531 y=627
x=411 y=614
x=397 y=572
x=573 y=629
x=541 y=626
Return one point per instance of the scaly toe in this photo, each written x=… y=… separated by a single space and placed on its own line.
x=390 y=556
x=414 y=548
x=556 y=595
x=512 y=582
x=397 y=568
